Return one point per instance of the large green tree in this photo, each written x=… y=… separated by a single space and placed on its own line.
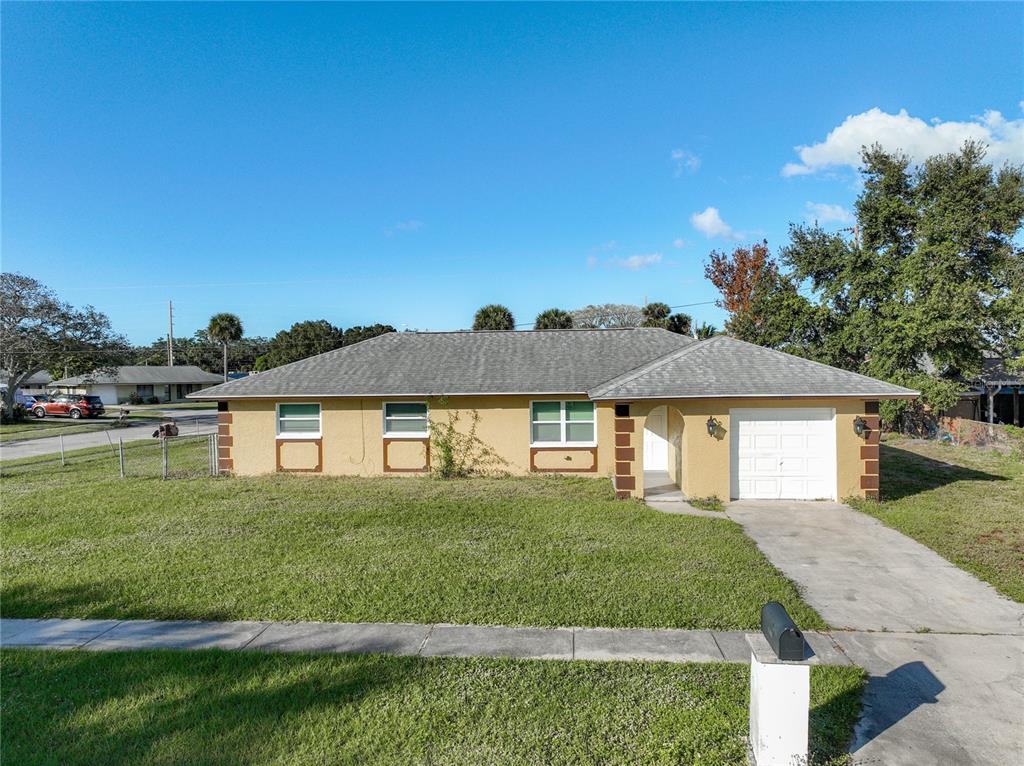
x=494 y=316
x=312 y=337
x=929 y=281
x=39 y=331
x=607 y=315
x=225 y=328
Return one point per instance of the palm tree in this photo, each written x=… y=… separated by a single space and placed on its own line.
x=705 y=331
x=494 y=317
x=656 y=314
x=553 y=319
x=224 y=329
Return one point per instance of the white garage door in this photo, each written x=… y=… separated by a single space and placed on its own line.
x=783 y=453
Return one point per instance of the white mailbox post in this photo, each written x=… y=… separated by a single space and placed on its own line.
x=780 y=706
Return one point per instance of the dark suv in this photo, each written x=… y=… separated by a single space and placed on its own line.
x=74 y=406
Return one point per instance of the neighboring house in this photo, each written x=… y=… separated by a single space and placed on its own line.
x=719 y=416
x=118 y=384
x=33 y=385
x=993 y=396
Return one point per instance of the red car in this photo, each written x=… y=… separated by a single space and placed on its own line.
x=74 y=406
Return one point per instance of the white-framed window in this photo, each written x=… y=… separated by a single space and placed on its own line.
x=406 y=420
x=298 y=420
x=554 y=423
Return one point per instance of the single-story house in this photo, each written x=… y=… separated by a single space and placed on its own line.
x=719 y=416
x=118 y=384
x=993 y=396
x=33 y=385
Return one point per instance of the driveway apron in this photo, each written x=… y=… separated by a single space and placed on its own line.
x=945 y=651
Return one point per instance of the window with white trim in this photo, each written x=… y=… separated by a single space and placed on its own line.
x=406 y=420
x=296 y=421
x=563 y=423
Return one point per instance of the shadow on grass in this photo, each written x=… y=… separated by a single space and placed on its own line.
x=94 y=600
x=905 y=473
x=168 y=706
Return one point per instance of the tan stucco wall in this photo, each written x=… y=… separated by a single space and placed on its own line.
x=706 y=459
x=353 y=441
x=353 y=435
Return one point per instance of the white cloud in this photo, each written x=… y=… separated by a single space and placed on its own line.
x=412 y=225
x=637 y=262
x=822 y=212
x=678 y=244
x=915 y=137
x=685 y=161
x=710 y=224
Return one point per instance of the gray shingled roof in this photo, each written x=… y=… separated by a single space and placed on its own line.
x=725 y=367
x=143 y=375
x=434 y=364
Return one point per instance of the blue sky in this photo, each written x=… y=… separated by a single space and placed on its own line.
x=408 y=163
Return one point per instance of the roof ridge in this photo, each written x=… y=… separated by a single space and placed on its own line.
x=642 y=369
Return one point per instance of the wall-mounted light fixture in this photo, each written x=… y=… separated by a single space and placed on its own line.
x=713 y=426
x=860 y=426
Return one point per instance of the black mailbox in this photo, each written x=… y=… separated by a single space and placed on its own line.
x=783 y=636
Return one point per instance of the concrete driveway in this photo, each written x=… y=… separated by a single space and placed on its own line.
x=945 y=651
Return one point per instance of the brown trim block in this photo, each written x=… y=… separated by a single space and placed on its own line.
x=426 y=455
x=224 y=418
x=873 y=436
x=871 y=468
x=624 y=425
x=320 y=456
x=871 y=494
x=535 y=450
x=625 y=482
x=625 y=453
x=870 y=408
x=623 y=440
x=869 y=482
x=869 y=452
x=225 y=441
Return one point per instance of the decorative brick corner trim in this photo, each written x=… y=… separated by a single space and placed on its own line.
x=625 y=452
x=225 y=441
x=426 y=456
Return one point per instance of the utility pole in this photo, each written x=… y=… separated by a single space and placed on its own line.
x=170 y=334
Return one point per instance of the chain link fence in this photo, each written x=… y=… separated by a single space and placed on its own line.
x=172 y=457
x=961 y=431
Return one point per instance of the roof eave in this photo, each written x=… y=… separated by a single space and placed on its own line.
x=872 y=397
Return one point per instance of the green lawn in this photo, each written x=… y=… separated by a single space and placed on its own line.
x=965 y=503
x=214 y=707
x=38 y=429
x=79 y=542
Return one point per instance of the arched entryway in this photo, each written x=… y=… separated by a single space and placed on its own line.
x=663 y=452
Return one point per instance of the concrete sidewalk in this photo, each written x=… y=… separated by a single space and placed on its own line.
x=198 y=425
x=439 y=640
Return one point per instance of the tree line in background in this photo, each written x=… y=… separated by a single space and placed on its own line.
x=606 y=316
x=929 y=283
